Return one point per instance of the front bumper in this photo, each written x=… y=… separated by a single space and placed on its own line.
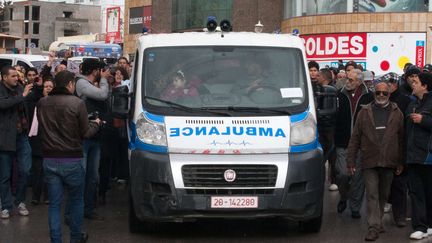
x=155 y=197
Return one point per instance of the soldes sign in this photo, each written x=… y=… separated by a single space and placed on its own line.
x=335 y=46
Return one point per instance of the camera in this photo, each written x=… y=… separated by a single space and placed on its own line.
x=93 y=116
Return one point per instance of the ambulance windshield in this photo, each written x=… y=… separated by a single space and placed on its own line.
x=221 y=77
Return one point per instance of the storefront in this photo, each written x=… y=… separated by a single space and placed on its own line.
x=381 y=35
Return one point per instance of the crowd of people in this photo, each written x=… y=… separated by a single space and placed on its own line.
x=58 y=135
x=56 y=129
x=379 y=144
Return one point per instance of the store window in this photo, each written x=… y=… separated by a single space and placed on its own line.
x=192 y=14
x=325 y=6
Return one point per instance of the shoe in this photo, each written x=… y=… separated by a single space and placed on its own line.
x=22 y=209
x=418 y=235
x=121 y=181
x=387 y=208
x=333 y=188
x=429 y=232
x=102 y=199
x=94 y=216
x=5 y=214
x=341 y=206
x=83 y=239
x=401 y=223
x=372 y=235
x=67 y=221
x=34 y=202
x=355 y=215
x=381 y=230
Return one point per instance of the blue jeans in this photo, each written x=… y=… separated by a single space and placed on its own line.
x=23 y=157
x=24 y=161
x=92 y=151
x=69 y=175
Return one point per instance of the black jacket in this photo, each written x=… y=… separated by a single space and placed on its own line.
x=327 y=122
x=9 y=116
x=405 y=88
x=345 y=117
x=401 y=100
x=419 y=139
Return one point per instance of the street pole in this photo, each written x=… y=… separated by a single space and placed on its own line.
x=428 y=42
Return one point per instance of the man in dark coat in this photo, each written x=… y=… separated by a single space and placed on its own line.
x=63 y=126
x=399 y=188
x=379 y=134
x=13 y=141
x=350 y=99
x=419 y=156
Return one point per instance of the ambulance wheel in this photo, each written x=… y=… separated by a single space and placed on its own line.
x=135 y=225
x=312 y=225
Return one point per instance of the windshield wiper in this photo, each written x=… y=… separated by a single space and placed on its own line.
x=183 y=107
x=258 y=110
x=249 y=109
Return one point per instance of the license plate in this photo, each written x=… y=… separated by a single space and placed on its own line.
x=234 y=202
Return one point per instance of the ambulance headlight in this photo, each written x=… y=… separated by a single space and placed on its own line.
x=303 y=132
x=151 y=132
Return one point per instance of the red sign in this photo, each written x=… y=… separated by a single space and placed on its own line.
x=420 y=53
x=335 y=46
x=147 y=17
x=113 y=25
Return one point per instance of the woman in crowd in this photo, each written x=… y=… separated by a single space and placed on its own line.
x=114 y=158
x=36 y=144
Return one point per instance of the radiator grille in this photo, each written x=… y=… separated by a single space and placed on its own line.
x=230 y=191
x=213 y=175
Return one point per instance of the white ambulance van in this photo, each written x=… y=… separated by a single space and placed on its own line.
x=223 y=125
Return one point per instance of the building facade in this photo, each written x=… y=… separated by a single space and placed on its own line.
x=40 y=23
x=382 y=35
x=388 y=34
x=165 y=16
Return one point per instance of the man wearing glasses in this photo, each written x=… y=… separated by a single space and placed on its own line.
x=378 y=133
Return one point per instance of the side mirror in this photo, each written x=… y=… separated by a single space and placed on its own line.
x=326 y=101
x=120 y=102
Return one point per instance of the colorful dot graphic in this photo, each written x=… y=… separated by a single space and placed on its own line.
x=402 y=61
x=385 y=65
x=375 y=48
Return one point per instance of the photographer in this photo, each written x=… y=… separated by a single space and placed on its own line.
x=36 y=93
x=92 y=87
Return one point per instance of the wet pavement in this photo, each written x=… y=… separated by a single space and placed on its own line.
x=336 y=227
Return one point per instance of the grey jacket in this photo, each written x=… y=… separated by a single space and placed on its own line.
x=85 y=89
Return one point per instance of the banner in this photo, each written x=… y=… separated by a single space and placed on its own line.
x=140 y=19
x=135 y=20
x=335 y=46
x=147 y=13
x=113 y=25
x=390 y=6
x=378 y=52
